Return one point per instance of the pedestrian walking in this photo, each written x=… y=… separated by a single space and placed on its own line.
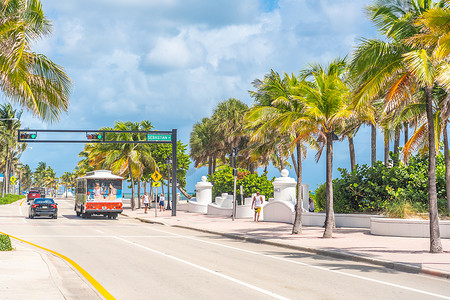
x=257 y=204
x=145 y=200
x=161 y=202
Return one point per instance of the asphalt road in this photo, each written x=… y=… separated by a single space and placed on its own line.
x=135 y=260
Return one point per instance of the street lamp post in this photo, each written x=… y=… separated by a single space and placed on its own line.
x=233 y=161
x=168 y=161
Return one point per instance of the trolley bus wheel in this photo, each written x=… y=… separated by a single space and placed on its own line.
x=114 y=216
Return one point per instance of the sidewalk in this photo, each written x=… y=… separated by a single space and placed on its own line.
x=401 y=253
x=28 y=273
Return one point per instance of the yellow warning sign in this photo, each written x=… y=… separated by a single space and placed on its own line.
x=157 y=184
x=156 y=176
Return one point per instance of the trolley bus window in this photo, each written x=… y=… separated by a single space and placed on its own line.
x=107 y=189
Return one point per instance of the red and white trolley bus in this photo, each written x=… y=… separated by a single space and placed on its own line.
x=99 y=192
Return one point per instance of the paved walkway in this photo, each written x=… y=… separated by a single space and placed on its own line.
x=409 y=254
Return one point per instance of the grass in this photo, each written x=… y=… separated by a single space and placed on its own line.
x=9 y=198
x=5 y=243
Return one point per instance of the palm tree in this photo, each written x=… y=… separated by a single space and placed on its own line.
x=26 y=177
x=435 y=25
x=9 y=146
x=281 y=118
x=68 y=180
x=326 y=101
x=128 y=159
x=396 y=68
x=228 y=126
x=204 y=145
x=27 y=78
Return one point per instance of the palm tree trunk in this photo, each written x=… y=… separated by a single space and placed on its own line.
x=396 y=145
x=297 y=228
x=186 y=194
x=447 y=164
x=328 y=233
x=435 y=238
x=214 y=164
x=373 y=144
x=351 y=150
x=151 y=190
x=406 y=127
x=386 y=149
x=139 y=193
x=210 y=165
x=132 y=188
x=5 y=178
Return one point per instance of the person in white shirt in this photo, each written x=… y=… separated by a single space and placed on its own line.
x=146 y=201
x=257 y=204
x=161 y=202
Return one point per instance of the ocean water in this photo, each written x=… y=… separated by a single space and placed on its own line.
x=128 y=195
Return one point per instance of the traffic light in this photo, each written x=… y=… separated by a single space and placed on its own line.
x=94 y=136
x=28 y=136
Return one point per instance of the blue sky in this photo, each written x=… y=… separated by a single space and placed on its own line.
x=172 y=61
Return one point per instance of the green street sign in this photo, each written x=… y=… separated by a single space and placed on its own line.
x=159 y=137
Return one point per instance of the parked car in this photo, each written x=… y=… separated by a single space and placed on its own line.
x=43 y=207
x=33 y=194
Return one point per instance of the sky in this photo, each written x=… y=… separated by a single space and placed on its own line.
x=172 y=61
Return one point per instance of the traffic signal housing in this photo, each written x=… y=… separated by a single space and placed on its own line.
x=28 y=136
x=94 y=136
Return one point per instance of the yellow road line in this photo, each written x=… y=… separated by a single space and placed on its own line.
x=22 y=202
x=86 y=275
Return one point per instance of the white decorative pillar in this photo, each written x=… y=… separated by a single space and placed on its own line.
x=284 y=187
x=204 y=191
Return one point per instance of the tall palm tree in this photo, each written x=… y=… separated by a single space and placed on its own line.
x=395 y=68
x=204 y=145
x=9 y=146
x=435 y=26
x=282 y=117
x=27 y=78
x=228 y=124
x=326 y=101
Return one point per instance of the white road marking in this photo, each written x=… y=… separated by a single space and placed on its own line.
x=99 y=231
x=207 y=270
x=312 y=266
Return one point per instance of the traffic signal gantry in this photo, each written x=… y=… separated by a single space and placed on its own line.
x=100 y=136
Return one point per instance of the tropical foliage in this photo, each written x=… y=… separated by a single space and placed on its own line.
x=377 y=189
x=394 y=83
x=223 y=180
x=27 y=78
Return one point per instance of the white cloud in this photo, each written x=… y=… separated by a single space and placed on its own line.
x=172 y=61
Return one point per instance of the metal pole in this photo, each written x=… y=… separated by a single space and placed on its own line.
x=168 y=183
x=156 y=202
x=174 y=172
x=234 y=198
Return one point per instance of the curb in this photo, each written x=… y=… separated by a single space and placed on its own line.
x=398 y=266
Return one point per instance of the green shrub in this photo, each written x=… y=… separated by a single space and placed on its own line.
x=382 y=189
x=9 y=198
x=223 y=182
x=5 y=243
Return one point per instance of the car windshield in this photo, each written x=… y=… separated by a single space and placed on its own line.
x=34 y=192
x=44 y=201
